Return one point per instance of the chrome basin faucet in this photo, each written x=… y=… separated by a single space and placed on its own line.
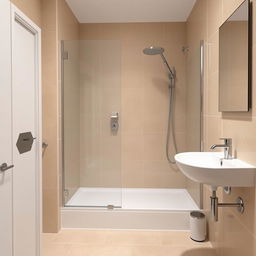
x=227 y=147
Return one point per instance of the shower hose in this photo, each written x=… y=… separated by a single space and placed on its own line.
x=170 y=126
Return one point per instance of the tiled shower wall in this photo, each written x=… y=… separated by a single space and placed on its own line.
x=144 y=101
x=235 y=233
x=100 y=97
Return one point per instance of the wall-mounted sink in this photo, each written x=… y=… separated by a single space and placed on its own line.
x=210 y=168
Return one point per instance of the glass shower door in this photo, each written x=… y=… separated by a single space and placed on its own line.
x=195 y=94
x=91 y=88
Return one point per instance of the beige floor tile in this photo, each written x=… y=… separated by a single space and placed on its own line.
x=80 y=236
x=133 y=238
x=47 y=238
x=150 y=251
x=56 y=250
x=181 y=239
x=172 y=251
x=87 y=250
x=192 y=252
x=123 y=243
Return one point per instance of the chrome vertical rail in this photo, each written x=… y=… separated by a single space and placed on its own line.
x=202 y=70
x=202 y=94
x=62 y=121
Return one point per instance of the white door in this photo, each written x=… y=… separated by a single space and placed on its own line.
x=26 y=118
x=5 y=131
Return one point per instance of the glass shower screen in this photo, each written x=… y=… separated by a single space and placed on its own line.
x=91 y=136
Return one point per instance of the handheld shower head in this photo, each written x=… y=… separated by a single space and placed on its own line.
x=156 y=50
x=153 y=50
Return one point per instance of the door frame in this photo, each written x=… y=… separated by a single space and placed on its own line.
x=22 y=19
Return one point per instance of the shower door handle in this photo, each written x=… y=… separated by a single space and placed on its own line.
x=114 y=124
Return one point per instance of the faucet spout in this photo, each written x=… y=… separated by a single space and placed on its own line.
x=218 y=146
x=227 y=147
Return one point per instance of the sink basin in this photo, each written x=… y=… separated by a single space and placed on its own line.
x=209 y=168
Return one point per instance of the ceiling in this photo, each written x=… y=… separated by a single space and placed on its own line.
x=121 y=11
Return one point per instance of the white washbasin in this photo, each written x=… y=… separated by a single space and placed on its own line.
x=206 y=167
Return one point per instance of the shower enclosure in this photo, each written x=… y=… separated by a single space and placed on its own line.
x=95 y=144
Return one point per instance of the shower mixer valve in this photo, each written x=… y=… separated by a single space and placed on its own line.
x=114 y=124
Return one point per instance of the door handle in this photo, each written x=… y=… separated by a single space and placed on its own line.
x=4 y=167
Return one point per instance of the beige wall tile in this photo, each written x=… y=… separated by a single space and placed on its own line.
x=197 y=25
x=50 y=118
x=132 y=110
x=132 y=174
x=132 y=146
x=100 y=86
x=155 y=115
x=214 y=11
x=162 y=174
x=194 y=191
x=213 y=53
x=236 y=238
x=32 y=8
x=248 y=194
x=228 y=7
x=51 y=211
x=213 y=94
x=68 y=26
x=154 y=149
x=213 y=127
x=48 y=13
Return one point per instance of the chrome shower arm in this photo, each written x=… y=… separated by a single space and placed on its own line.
x=167 y=65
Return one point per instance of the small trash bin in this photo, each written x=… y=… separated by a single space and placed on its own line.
x=197 y=226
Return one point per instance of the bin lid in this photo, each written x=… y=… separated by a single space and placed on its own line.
x=197 y=214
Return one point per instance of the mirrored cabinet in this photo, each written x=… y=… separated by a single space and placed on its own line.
x=235 y=61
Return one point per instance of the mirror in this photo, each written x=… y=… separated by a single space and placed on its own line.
x=234 y=61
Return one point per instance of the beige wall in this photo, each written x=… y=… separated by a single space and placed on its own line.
x=50 y=116
x=234 y=234
x=100 y=97
x=58 y=23
x=145 y=99
x=32 y=8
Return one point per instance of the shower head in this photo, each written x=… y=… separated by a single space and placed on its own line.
x=153 y=50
